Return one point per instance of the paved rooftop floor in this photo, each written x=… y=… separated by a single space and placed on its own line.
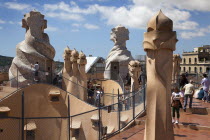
x=137 y=133
x=180 y=133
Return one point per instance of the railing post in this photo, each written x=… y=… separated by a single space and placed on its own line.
x=133 y=94
x=118 y=94
x=23 y=107
x=99 y=115
x=69 y=118
x=17 y=79
x=144 y=91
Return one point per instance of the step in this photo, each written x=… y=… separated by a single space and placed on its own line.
x=124 y=119
x=54 y=95
x=191 y=126
x=30 y=126
x=110 y=129
x=94 y=117
x=4 y=111
x=197 y=110
x=76 y=125
x=140 y=122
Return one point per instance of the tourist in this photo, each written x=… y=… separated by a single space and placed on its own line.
x=189 y=92
x=205 y=83
x=36 y=68
x=55 y=80
x=120 y=104
x=99 y=94
x=182 y=91
x=126 y=102
x=176 y=99
x=90 y=92
x=200 y=94
x=183 y=81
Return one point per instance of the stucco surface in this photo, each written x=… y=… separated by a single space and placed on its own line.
x=37 y=104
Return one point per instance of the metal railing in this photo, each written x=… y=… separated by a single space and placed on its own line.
x=131 y=104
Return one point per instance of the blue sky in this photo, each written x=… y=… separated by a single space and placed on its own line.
x=86 y=24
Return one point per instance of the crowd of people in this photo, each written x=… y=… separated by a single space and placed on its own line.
x=94 y=94
x=186 y=90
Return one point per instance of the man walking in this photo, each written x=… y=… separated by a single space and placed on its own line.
x=189 y=92
x=205 y=83
x=36 y=68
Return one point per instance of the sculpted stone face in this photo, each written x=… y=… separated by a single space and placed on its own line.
x=67 y=54
x=74 y=56
x=132 y=66
x=74 y=71
x=159 y=44
x=35 y=23
x=35 y=48
x=119 y=53
x=134 y=71
x=119 y=34
x=82 y=59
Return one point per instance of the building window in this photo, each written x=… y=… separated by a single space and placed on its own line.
x=195 y=70
x=195 y=60
x=184 y=60
x=189 y=69
x=189 y=60
x=184 y=69
x=207 y=70
x=200 y=69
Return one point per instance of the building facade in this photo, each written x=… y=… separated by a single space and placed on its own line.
x=197 y=61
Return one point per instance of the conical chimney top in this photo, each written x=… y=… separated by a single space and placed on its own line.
x=160 y=22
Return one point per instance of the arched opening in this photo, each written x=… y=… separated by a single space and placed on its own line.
x=207 y=70
x=189 y=69
x=184 y=60
x=189 y=60
x=195 y=70
x=195 y=60
x=184 y=69
x=201 y=69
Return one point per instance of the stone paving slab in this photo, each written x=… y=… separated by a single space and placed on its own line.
x=137 y=133
x=190 y=126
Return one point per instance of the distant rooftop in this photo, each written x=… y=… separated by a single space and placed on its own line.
x=91 y=60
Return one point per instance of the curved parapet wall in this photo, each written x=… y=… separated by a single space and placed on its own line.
x=50 y=118
x=110 y=88
x=35 y=48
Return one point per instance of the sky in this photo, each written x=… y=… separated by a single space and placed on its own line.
x=86 y=24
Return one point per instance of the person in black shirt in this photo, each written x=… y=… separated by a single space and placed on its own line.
x=183 y=81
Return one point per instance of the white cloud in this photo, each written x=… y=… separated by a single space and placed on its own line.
x=18 y=6
x=197 y=33
x=199 y=5
x=69 y=8
x=2 y=21
x=186 y=25
x=1 y=27
x=75 y=30
x=133 y=16
x=91 y=26
x=76 y=25
x=51 y=29
x=65 y=16
x=11 y=22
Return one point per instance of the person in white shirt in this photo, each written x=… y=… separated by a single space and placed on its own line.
x=189 y=92
x=36 y=68
x=176 y=99
x=99 y=94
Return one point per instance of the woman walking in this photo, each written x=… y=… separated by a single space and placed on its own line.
x=176 y=99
